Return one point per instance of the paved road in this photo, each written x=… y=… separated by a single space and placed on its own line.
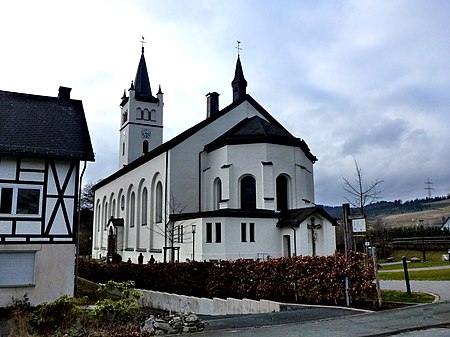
x=430 y=320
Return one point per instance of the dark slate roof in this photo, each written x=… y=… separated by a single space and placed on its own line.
x=293 y=217
x=143 y=91
x=44 y=126
x=188 y=133
x=289 y=218
x=257 y=130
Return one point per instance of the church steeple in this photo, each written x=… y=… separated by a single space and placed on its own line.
x=141 y=126
x=142 y=87
x=239 y=83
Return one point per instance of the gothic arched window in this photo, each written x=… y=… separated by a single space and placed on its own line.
x=158 y=202
x=132 y=209
x=248 y=193
x=144 y=206
x=217 y=193
x=145 y=147
x=282 y=193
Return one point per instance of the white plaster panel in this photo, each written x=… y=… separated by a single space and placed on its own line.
x=5 y=227
x=7 y=167
x=28 y=227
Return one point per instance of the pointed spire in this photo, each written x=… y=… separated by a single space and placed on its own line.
x=141 y=82
x=239 y=83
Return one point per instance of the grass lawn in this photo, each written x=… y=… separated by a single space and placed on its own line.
x=401 y=296
x=418 y=275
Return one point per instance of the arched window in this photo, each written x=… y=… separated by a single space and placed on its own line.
x=248 y=193
x=132 y=209
x=282 y=193
x=145 y=147
x=153 y=115
x=158 y=203
x=217 y=193
x=139 y=113
x=144 y=206
x=124 y=116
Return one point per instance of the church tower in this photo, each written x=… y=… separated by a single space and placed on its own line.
x=141 y=124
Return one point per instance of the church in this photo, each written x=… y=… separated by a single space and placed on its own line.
x=237 y=185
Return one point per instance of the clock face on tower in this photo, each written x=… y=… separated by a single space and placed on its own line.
x=146 y=133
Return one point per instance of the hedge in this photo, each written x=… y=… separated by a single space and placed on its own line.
x=305 y=279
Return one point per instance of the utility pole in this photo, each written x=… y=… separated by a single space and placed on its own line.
x=429 y=188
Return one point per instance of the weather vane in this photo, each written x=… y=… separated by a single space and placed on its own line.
x=142 y=41
x=238 y=46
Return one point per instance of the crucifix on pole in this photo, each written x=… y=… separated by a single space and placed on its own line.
x=313 y=227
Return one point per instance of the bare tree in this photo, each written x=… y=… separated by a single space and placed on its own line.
x=359 y=193
x=166 y=226
x=87 y=196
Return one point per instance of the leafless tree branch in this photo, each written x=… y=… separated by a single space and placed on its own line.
x=359 y=193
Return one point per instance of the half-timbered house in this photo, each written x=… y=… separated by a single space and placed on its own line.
x=43 y=140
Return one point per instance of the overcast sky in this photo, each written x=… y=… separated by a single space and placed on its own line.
x=364 y=80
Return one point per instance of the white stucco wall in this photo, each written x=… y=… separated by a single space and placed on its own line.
x=250 y=159
x=54 y=273
x=108 y=203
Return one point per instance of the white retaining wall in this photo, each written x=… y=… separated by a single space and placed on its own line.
x=207 y=306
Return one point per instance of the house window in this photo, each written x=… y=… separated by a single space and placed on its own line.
x=17 y=268
x=144 y=206
x=218 y=232
x=217 y=193
x=243 y=232
x=282 y=193
x=252 y=232
x=6 y=196
x=158 y=204
x=20 y=200
x=28 y=201
x=180 y=234
x=248 y=193
x=208 y=232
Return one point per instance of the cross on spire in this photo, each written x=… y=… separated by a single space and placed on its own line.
x=238 y=46
x=142 y=41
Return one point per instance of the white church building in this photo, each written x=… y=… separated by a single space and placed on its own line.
x=236 y=185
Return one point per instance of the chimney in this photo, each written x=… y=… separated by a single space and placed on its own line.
x=64 y=96
x=212 y=104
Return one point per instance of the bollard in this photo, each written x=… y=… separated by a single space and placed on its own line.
x=405 y=268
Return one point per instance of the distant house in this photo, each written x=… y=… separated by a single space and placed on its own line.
x=236 y=185
x=42 y=142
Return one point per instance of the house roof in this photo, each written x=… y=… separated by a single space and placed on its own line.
x=191 y=131
x=257 y=130
x=44 y=126
x=293 y=217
